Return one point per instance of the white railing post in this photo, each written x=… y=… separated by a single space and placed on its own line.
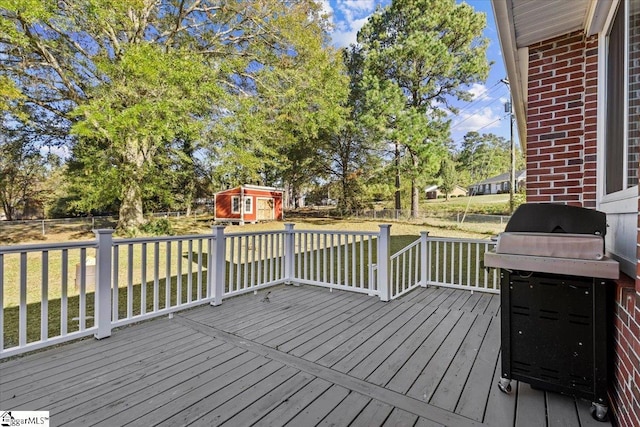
x=103 y=283
x=217 y=265
x=289 y=253
x=425 y=257
x=384 y=249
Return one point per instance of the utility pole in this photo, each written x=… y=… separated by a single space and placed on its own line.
x=512 y=174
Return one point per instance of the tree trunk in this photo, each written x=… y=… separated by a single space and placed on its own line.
x=415 y=198
x=8 y=210
x=415 y=190
x=189 y=193
x=397 y=162
x=131 y=215
x=343 y=205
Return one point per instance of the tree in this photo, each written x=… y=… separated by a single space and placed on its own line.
x=151 y=98
x=426 y=52
x=130 y=76
x=484 y=155
x=448 y=176
x=349 y=155
x=22 y=171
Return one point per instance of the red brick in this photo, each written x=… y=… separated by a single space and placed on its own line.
x=571 y=155
x=554 y=80
x=567 y=198
x=553 y=108
x=538 y=131
x=575 y=113
x=538 y=185
x=568 y=169
x=574 y=86
x=540 y=117
x=577 y=76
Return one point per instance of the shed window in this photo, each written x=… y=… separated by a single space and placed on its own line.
x=248 y=205
x=235 y=204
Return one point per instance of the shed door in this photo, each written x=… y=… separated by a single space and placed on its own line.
x=265 y=209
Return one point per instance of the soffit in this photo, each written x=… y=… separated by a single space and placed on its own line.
x=539 y=20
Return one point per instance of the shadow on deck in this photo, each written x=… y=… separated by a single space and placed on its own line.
x=300 y=356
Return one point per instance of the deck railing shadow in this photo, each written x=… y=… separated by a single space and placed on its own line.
x=141 y=278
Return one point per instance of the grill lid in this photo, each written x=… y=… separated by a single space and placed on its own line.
x=555 y=218
x=576 y=246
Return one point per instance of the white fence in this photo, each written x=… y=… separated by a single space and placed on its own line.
x=52 y=293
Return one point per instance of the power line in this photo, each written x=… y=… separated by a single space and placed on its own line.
x=475 y=113
x=485 y=126
x=480 y=97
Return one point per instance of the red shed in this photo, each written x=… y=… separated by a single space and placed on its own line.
x=249 y=203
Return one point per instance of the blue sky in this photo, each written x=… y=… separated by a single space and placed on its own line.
x=485 y=113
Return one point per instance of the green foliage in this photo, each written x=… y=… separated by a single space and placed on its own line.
x=134 y=79
x=448 y=176
x=418 y=55
x=22 y=173
x=484 y=156
x=158 y=227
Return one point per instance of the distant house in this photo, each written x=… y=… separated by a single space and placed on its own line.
x=498 y=184
x=433 y=192
x=249 y=203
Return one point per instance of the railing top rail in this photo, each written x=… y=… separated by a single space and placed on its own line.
x=253 y=233
x=39 y=247
x=160 y=239
x=406 y=248
x=344 y=233
x=459 y=240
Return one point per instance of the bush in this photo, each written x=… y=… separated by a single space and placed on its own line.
x=158 y=227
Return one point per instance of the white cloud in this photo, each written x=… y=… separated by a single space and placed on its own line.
x=327 y=9
x=478 y=90
x=484 y=119
x=348 y=18
x=342 y=38
x=62 y=151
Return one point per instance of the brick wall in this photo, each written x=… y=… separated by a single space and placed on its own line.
x=625 y=393
x=561 y=121
x=561 y=168
x=627 y=386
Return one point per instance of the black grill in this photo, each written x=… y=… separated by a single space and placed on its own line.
x=554 y=325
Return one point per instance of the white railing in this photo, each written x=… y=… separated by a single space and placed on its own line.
x=118 y=282
x=41 y=302
x=334 y=259
x=406 y=269
x=156 y=276
x=459 y=263
x=254 y=261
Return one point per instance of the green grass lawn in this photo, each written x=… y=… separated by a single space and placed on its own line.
x=490 y=204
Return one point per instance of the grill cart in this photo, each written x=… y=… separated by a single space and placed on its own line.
x=554 y=279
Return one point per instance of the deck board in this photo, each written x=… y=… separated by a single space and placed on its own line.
x=473 y=401
x=313 y=413
x=450 y=388
x=368 y=360
x=306 y=357
x=344 y=413
x=294 y=404
x=532 y=408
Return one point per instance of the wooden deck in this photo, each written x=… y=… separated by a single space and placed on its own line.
x=304 y=357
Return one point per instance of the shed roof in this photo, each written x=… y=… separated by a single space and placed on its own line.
x=251 y=187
